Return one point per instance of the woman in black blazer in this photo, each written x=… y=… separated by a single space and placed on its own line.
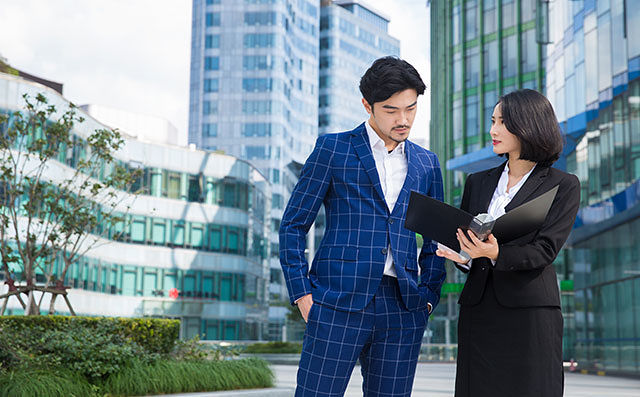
x=510 y=323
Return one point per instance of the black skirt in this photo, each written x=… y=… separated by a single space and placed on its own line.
x=509 y=351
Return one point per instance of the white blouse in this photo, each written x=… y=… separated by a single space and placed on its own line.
x=502 y=197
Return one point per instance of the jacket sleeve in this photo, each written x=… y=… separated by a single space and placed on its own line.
x=299 y=215
x=432 y=271
x=548 y=241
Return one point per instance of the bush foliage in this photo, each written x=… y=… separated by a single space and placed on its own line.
x=274 y=347
x=49 y=356
x=152 y=335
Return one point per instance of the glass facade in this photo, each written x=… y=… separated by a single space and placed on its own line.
x=201 y=224
x=593 y=81
x=351 y=38
x=585 y=56
x=480 y=49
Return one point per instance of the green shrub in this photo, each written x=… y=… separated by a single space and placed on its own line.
x=45 y=383
x=153 y=335
x=90 y=353
x=188 y=376
x=274 y=347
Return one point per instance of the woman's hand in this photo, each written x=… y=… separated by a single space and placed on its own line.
x=476 y=248
x=450 y=254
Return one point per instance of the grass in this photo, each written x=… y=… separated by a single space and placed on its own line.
x=189 y=376
x=163 y=377
x=44 y=383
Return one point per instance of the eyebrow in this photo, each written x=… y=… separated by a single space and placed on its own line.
x=394 y=107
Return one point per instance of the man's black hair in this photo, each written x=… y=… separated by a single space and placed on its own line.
x=387 y=76
x=529 y=116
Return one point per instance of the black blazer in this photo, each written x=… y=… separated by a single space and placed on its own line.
x=522 y=276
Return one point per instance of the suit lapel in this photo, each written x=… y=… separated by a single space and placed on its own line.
x=411 y=175
x=530 y=186
x=362 y=147
x=488 y=186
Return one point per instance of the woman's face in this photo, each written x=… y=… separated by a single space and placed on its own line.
x=504 y=142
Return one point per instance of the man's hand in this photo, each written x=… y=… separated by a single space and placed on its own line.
x=304 y=304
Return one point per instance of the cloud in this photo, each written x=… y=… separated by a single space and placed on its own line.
x=132 y=55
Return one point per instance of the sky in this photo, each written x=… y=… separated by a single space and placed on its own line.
x=135 y=55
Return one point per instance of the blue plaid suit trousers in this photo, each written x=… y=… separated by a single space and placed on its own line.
x=385 y=336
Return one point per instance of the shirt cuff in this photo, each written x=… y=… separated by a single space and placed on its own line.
x=429 y=307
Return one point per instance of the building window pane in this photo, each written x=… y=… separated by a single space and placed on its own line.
x=197 y=235
x=211 y=85
x=177 y=237
x=213 y=19
x=158 y=232
x=490 y=58
x=138 y=230
x=210 y=129
x=211 y=63
x=212 y=41
x=509 y=56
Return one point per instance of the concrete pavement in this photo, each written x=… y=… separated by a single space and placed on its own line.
x=437 y=380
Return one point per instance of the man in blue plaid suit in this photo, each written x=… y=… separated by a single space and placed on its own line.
x=363 y=297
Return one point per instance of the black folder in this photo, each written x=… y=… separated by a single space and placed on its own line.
x=438 y=221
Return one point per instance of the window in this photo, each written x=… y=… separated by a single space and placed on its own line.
x=195 y=191
x=211 y=63
x=256 y=129
x=138 y=229
x=158 y=231
x=212 y=19
x=509 y=56
x=149 y=283
x=197 y=235
x=210 y=129
x=215 y=238
x=489 y=15
x=212 y=41
x=211 y=2
x=260 y=18
x=472 y=115
x=209 y=107
x=177 y=235
x=509 y=17
x=471 y=19
x=257 y=84
x=472 y=74
x=490 y=59
x=257 y=152
x=259 y=40
x=211 y=85
x=257 y=62
x=173 y=185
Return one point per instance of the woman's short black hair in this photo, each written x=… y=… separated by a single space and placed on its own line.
x=528 y=115
x=389 y=75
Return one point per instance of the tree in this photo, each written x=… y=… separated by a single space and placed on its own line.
x=60 y=196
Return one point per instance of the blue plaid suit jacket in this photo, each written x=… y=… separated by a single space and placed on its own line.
x=348 y=266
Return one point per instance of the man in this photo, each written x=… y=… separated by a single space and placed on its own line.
x=361 y=299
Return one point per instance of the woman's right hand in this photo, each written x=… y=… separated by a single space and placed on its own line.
x=451 y=255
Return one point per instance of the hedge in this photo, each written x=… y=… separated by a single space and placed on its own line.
x=153 y=335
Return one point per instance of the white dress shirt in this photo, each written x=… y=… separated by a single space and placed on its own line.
x=392 y=171
x=503 y=196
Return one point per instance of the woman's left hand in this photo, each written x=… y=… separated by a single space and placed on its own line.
x=476 y=248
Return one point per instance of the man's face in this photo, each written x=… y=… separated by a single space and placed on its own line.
x=392 y=118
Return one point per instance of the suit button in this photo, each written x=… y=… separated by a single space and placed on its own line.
x=384 y=251
x=484 y=268
x=390 y=221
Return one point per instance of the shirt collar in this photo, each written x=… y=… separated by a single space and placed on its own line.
x=504 y=179
x=376 y=141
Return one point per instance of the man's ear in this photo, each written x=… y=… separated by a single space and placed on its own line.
x=367 y=107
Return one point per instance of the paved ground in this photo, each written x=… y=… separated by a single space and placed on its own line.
x=437 y=380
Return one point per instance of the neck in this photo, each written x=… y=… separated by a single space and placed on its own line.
x=518 y=167
x=390 y=144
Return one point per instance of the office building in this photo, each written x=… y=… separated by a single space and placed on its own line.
x=200 y=228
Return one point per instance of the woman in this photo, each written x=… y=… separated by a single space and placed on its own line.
x=510 y=325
